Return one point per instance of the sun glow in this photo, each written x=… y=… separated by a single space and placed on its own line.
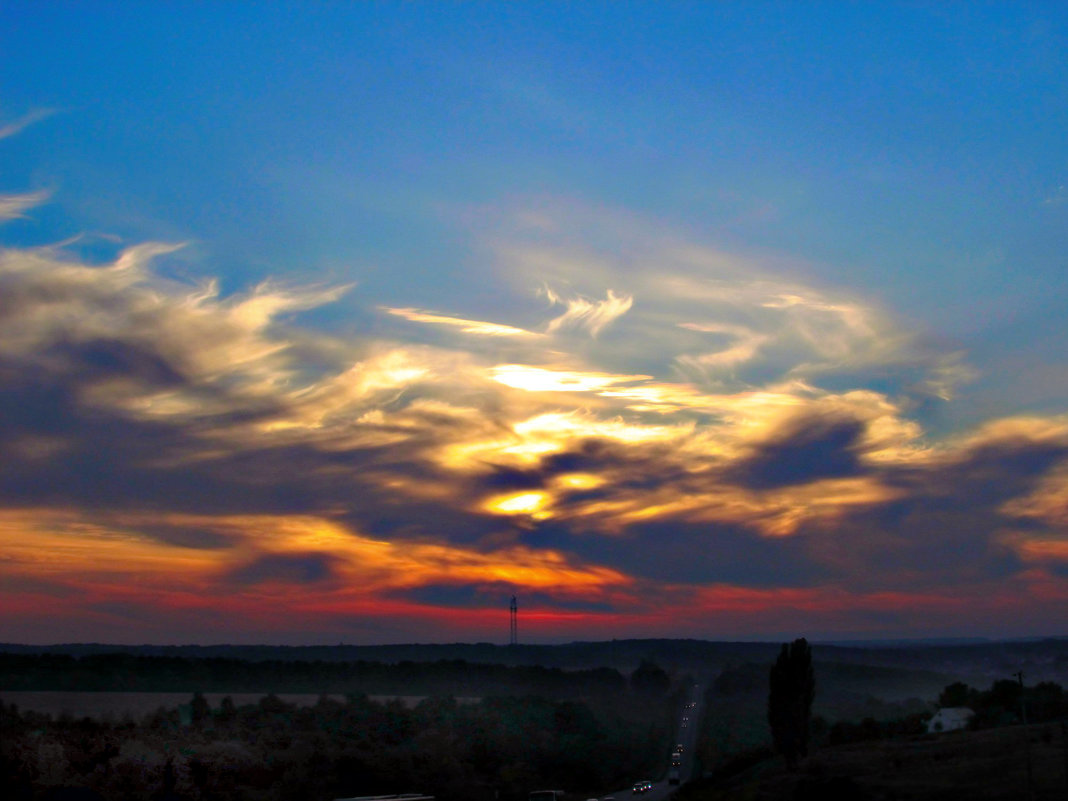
x=579 y=481
x=524 y=503
x=538 y=379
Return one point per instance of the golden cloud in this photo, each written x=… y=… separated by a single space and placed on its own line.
x=101 y=550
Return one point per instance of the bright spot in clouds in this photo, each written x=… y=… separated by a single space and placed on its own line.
x=524 y=503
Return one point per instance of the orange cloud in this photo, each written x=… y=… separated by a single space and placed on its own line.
x=76 y=548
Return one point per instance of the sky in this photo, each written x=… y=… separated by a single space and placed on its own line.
x=340 y=322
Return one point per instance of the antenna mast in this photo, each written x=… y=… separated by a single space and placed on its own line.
x=513 y=634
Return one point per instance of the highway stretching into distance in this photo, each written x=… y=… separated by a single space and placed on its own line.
x=686 y=727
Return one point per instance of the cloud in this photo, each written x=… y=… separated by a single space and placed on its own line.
x=808 y=449
x=593 y=316
x=477 y=327
x=12 y=206
x=739 y=438
x=309 y=561
x=1057 y=197
x=295 y=568
x=711 y=317
x=741 y=345
x=16 y=127
x=538 y=379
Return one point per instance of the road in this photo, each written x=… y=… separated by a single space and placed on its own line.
x=685 y=734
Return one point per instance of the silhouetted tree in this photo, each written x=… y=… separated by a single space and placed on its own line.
x=792 y=686
x=1047 y=701
x=227 y=711
x=1005 y=694
x=956 y=694
x=199 y=709
x=650 y=679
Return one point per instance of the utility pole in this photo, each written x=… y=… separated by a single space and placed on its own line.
x=1027 y=739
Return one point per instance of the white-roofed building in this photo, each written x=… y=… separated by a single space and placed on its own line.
x=950 y=718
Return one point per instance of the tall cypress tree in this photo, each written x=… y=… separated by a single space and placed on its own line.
x=792 y=686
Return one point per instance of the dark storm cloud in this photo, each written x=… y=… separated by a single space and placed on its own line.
x=101 y=359
x=588 y=455
x=188 y=536
x=292 y=568
x=950 y=522
x=686 y=553
x=497 y=595
x=805 y=450
x=96 y=458
x=511 y=478
x=632 y=467
x=28 y=585
x=70 y=455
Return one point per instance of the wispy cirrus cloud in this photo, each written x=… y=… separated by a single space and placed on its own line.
x=740 y=345
x=13 y=206
x=23 y=122
x=478 y=327
x=591 y=315
x=712 y=317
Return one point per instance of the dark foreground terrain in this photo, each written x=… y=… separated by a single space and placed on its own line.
x=988 y=765
x=529 y=727
x=585 y=717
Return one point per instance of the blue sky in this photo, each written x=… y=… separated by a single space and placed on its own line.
x=805 y=263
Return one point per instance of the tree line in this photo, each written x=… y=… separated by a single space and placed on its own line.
x=1006 y=701
x=499 y=748
x=128 y=672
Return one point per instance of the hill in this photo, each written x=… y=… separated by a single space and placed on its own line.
x=988 y=765
x=974 y=662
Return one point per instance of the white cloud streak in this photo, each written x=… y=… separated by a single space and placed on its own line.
x=13 y=206
x=591 y=315
x=477 y=327
x=16 y=127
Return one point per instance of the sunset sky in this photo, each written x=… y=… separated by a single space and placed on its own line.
x=344 y=322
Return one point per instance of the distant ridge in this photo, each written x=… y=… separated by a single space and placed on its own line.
x=921 y=642
x=623 y=654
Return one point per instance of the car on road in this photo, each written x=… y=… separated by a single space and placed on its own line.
x=642 y=787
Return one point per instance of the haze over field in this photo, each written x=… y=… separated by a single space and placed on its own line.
x=721 y=321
